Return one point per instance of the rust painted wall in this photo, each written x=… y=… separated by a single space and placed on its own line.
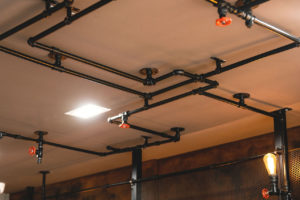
x=240 y=181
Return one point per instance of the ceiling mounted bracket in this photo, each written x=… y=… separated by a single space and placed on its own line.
x=68 y=5
x=49 y=4
x=149 y=72
x=124 y=119
x=146 y=139
x=177 y=131
x=241 y=97
x=219 y=63
x=57 y=60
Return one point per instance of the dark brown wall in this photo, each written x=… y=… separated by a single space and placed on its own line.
x=239 y=181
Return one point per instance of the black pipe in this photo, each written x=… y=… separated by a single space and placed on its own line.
x=101 y=154
x=136 y=173
x=193 y=92
x=124 y=74
x=213 y=96
x=87 y=61
x=31 y=21
x=75 y=149
x=20 y=137
x=69 y=20
x=69 y=71
x=158 y=92
x=251 y=59
x=141 y=146
x=151 y=131
x=165 y=76
x=158 y=177
x=44 y=173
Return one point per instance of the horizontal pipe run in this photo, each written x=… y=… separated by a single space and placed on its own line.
x=208 y=167
x=20 y=137
x=237 y=104
x=158 y=177
x=144 y=130
x=88 y=62
x=151 y=131
x=75 y=149
x=101 y=154
x=158 y=92
x=71 y=19
x=31 y=21
x=251 y=59
x=141 y=146
x=276 y=30
x=69 y=71
x=165 y=76
x=248 y=16
x=193 y=92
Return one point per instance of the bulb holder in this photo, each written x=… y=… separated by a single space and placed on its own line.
x=274 y=190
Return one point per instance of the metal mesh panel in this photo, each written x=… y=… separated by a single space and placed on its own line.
x=239 y=181
x=294 y=161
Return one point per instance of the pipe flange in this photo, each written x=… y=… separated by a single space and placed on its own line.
x=146 y=71
x=41 y=133
x=52 y=55
x=44 y=172
x=241 y=97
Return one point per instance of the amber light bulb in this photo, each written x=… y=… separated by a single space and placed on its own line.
x=270 y=163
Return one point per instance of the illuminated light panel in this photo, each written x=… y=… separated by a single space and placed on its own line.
x=87 y=111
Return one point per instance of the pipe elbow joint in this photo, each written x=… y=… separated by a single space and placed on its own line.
x=31 y=41
x=178 y=72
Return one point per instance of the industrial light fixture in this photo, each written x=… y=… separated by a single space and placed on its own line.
x=87 y=111
x=2 y=187
x=270 y=164
x=124 y=123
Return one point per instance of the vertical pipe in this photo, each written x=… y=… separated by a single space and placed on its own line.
x=44 y=173
x=281 y=146
x=136 y=188
x=29 y=193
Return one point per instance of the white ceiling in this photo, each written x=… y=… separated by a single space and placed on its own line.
x=130 y=35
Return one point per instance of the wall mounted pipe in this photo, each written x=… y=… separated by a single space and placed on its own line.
x=31 y=21
x=67 y=21
x=248 y=16
x=237 y=104
x=69 y=71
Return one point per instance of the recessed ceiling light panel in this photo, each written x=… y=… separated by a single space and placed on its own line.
x=87 y=111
